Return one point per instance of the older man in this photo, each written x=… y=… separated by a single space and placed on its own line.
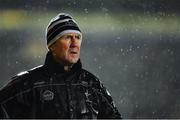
x=60 y=88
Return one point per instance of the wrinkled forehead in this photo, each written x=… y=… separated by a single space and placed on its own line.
x=72 y=34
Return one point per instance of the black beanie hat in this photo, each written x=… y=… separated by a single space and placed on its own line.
x=58 y=26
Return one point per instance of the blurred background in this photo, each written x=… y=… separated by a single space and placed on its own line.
x=133 y=46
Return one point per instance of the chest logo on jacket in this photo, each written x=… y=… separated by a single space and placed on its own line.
x=48 y=95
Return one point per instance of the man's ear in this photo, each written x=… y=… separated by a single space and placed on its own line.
x=51 y=48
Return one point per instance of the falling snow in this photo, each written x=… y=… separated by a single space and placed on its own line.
x=132 y=46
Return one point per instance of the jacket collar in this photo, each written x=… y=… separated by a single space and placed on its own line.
x=55 y=67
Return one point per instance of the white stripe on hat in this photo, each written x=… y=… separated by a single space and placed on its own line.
x=63 y=33
x=54 y=24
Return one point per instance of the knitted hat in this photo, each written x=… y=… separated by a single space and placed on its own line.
x=58 y=26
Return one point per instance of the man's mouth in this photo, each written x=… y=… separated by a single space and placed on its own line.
x=73 y=52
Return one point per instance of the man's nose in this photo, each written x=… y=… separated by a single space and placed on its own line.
x=74 y=41
x=73 y=38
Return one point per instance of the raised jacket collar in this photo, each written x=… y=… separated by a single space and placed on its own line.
x=55 y=67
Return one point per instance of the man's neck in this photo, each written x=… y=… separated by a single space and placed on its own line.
x=66 y=66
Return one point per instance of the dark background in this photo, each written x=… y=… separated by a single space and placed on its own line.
x=133 y=46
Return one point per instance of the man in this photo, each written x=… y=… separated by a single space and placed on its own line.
x=60 y=88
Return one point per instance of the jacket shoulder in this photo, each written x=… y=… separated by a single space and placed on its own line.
x=96 y=84
x=10 y=89
x=90 y=75
x=18 y=83
x=15 y=80
x=24 y=76
x=92 y=80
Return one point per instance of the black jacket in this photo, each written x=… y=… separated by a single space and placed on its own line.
x=50 y=92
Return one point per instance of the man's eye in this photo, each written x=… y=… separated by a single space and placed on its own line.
x=78 y=37
x=67 y=37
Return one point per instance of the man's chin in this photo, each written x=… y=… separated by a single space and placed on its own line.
x=73 y=61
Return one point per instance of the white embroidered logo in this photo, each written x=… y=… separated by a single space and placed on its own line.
x=48 y=95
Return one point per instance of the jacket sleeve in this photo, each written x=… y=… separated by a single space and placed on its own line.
x=107 y=106
x=3 y=114
x=6 y=92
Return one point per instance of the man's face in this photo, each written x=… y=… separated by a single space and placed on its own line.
x=66 y=49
